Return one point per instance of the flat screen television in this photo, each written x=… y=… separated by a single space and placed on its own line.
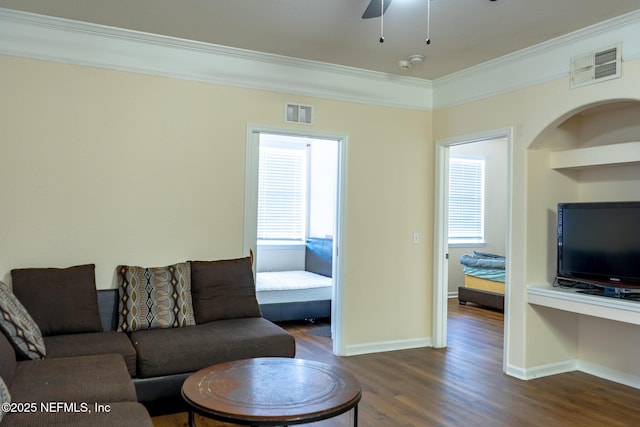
x=599 y=243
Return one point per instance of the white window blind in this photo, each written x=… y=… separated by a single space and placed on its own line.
x=282 y=182
x=466 y=200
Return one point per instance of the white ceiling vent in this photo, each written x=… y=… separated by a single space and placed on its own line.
x=298 y=113
x=596 y=66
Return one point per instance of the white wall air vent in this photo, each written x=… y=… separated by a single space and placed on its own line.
x=596 y=66
x=298 y=113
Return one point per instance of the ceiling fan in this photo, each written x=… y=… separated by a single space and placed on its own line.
x=376 y=8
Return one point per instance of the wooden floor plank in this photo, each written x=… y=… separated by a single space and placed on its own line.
x=462 y=385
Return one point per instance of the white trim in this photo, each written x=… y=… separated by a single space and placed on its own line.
x=250 y=213
x=383 y=346
x=467 y=244
x=440 y=270
x=542 y=370
x=596 y=370
x=275 y=245
x=615 y=309
x=441 y=246
x=340 y=303
x=537 y=64
x=614 y=375
x=62 y=40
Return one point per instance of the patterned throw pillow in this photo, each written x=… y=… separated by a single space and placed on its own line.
x=19 y=327
x=157 y=297
x=5 y=397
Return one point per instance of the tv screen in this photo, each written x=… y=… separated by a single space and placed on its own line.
x=599 y=243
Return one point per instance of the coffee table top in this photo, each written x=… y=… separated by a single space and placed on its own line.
x=271 y=391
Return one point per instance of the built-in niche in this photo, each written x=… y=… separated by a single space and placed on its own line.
x=593 y=155
x=589 y=155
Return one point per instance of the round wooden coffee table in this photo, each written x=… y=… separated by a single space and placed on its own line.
x=271 y=391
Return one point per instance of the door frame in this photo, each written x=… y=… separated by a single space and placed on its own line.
x=441 y=227
x=251 y=212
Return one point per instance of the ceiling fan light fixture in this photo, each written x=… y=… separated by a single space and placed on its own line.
x=416 y=59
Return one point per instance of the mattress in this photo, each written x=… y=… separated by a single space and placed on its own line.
x=292 y=286
x=480 y=284
x=485 y=273
x=484 y=266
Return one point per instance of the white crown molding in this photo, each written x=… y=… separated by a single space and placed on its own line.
x=54 y=39
x=62 y=40
x=537 y=64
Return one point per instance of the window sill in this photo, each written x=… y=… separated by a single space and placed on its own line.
x=467 y=244
x=280 y=244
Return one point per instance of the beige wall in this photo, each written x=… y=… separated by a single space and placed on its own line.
x=536 y=335
x=110 y=167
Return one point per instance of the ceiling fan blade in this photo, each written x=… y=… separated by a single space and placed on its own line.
x=373 y=10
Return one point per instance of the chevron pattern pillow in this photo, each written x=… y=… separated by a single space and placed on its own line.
x=156 y=297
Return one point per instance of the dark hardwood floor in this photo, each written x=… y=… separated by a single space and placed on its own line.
x=462 y=385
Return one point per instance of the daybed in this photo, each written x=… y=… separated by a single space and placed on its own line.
x=160 y=325
x=484 y=280
x=300 y=294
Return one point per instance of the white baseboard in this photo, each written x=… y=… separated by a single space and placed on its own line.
x=596 y=370
x=614 y=375
x=382 y=346
x=542 y=370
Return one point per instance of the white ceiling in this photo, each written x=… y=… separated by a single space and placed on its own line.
x=463 y=32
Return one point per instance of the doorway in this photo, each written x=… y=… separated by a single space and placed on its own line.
x=323 y=211
x=441 y=250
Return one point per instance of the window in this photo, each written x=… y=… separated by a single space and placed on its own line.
x=466 y=200
x=282 y=191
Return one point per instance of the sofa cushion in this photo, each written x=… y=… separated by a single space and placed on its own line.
x=60 y=300
x=5 y=397
x=156 y=297
x=196 y=347
x=121 y=414
x=19 y=327
x=7 y=360
x=93 y=343
x=223 y=289
x=98 y=378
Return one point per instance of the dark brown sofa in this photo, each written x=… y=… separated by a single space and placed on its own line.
x=71 y=391
x=78 y=322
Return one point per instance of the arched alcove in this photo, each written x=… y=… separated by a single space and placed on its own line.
x=600 y=123
x=591 y=153
x=565 y=164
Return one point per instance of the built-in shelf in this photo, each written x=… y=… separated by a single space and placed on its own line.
x=570 y=300
x=603 y=155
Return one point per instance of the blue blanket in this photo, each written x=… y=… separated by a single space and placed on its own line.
x=483 y=260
